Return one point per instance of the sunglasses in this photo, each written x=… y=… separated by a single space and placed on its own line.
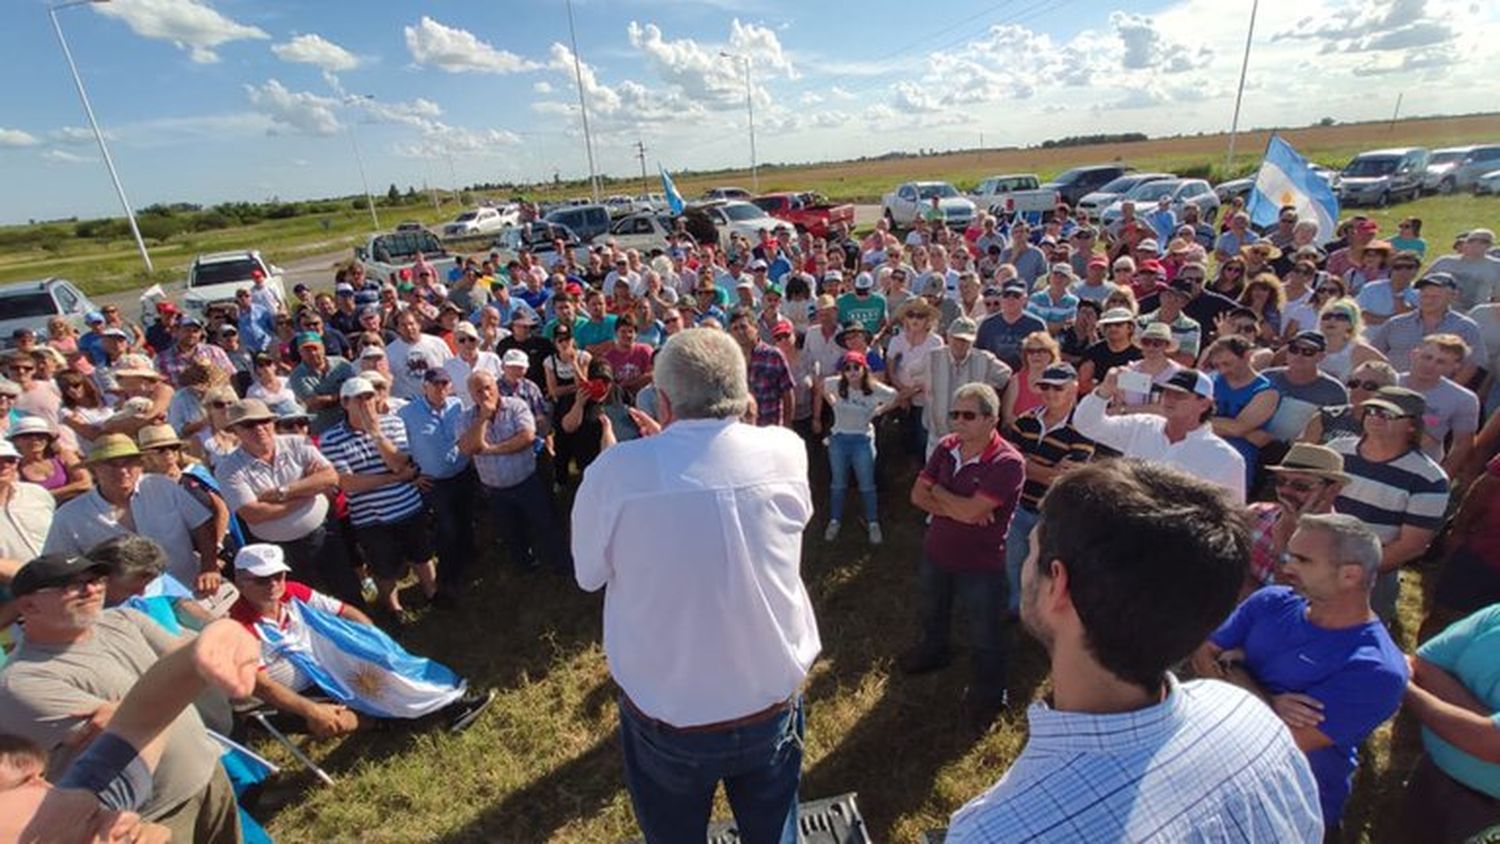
x=1407 y=267
x=1012 y=295
x=1234 y=269
x=966 y=415
x=853 y=367
x=1051 y=388
x=1196 y=279
x=1330 y=291
x=463 y=339
x=1305 y=351
x=1154 y=343
x=218 y=405
x=1038 y=351
x=1337 y=318
x=1385 y=413
x=1368 y=386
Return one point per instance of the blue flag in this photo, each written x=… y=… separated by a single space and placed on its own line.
x=361 y=667
x=674 y=199
x=1286 y=179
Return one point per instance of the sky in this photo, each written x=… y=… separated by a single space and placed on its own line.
x=214 y=100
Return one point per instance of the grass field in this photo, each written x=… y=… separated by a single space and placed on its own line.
x=544 y=764
x=102 y=267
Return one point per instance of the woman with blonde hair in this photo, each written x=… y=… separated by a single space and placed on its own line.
x=909 y=356
x=83 y=408
x=1039 y=350
x=1230 y=281
x=1343 y=329
x=63 y=338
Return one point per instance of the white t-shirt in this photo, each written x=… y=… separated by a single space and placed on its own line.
x=459 y=370
x=915 y=363
x=160 y=509
x=410 y=361
x=852 y=413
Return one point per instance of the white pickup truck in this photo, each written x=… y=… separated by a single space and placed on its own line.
x=385 y=255
x=913 y=200
x=483 y=220
x=1016 y=194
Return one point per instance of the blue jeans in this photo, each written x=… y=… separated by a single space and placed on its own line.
x=856 y=452
x=982 y=594
x=1017 y=546
x=452 y=503
x=672 y=775
x=527 y=525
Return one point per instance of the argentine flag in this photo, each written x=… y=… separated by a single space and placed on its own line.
x=674 y=199
x=361 y=667
x=1286 y=179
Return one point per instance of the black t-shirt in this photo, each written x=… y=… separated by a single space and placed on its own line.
x=537 y=349
x=1104 y=358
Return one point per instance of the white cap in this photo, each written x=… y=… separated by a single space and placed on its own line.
x=515 y=357
x=467 y=329
x=863 y=281
x=356 y=386
x=8 y=450
x=261 y=559
x=745 y=284
x=372 y=351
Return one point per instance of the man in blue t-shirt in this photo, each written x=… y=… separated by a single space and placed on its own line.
x=1315 y=652
x=1001 y=333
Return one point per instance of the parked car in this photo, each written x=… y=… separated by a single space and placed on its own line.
x=410 y=226
x=1017 y=193
x=736 y=217
x=1107 y=195
x=482 y=220
x=642 y=231
x=586 y=221
x=651 y=202
x=1489 y=183
x=722 y=193
x=1183 y=192
x=1458 y=168
x=1079 y=182
x=1379 y=176
x=386 y=254
x=1227 y=191
x=29 y=304
x=809 y=212
x=618 y=205
x=906 y=203
x=540 y=239
x=213 y=279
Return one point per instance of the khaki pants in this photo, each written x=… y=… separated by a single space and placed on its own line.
x=209 y=817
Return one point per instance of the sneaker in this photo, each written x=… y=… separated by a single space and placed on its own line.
x=832 y=532
x=876 y=537
x=467 y=709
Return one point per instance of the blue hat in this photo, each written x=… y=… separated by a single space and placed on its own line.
x=93 y=317
x=1058 y=373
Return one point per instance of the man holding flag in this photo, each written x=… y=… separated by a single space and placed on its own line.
x=310 y=641
x=1286 y=180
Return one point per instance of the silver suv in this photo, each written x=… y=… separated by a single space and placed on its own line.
x=1379 y=176
x=1459 y=168
x=29 y=304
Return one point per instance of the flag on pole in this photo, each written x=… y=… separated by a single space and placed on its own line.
x=674 y=199
x=1286 y=179
x=360 y=666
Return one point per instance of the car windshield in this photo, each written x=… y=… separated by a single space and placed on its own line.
x=1382 y=166
x=23 y=305
x=1448 y=157
x=403 y=247
x=1152 y=190
x=1020 y=183
x=941 y=189
x=466 y=217
x=224 y=272
x=766 y=203
x=743 y=212
x=1122 y=184
x=1068 y=177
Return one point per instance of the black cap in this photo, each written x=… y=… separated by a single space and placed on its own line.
x=1058 y=373
x=1311 y=338
x=1439 y=279
x=1014 y=285
x=437 y=375
x=51 y=570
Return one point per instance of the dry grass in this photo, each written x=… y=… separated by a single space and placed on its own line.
x=543 y=764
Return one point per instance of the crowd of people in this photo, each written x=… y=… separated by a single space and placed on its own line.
x=1159 y=445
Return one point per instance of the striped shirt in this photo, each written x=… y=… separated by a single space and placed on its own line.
x=1047 y=447
x=1410 y=490
x=354 y=453
x=1208 y=763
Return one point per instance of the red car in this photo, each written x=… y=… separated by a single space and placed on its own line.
x=809 y=212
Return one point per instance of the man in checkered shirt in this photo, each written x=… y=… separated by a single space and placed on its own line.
x=1132 y=564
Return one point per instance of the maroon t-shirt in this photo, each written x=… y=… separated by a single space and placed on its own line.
x=997 y=474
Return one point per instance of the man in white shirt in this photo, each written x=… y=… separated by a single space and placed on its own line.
x=411 y=354
x=1121 y=751
x=709 y=636
x=470 y=359
x=1179 y=437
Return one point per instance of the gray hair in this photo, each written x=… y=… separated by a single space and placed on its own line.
x=130 y=554
x=1353 y=541
x=981 y=394
x=701 y=371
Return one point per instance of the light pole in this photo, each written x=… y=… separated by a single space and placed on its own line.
x=94 y=124
x=749 y=107
x=359 y=160
x=1244 y=67
x=583 y=108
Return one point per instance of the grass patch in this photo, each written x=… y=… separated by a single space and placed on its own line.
x=543 y=764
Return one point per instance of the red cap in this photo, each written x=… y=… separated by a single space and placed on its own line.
x=166 y=308
x=1099 y=261
x=573 y=288
x=783 y=327
x=852 y=357
x=405 y=273
x=1152 y=265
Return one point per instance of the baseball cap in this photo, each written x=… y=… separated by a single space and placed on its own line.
x=745 y=284
x=783 y=328
x=1149 y=244
x=934 y=286
x=7 y=450
x=1367 y=225
x=1098 y=261
x=1013 y=286
x=466 y=329
x=10 y=388
x=1116 y=315
x=853 y=357
x=833 y=275
x=1311 y=338
x=863 y=281
x=523 y=316
x=963 y=328
x=261 y=559
x=309 y=338
x=248 y=410
x=1191 y=381
x=52 y=570
x=757 y=264
x=356 y=387
x=30 y=425
x=1151 y=265
x=1437 y=279
x=190 y=321
x=343 y=289
x=111 y=446
x=436 y=375
x=1398 y=400
x=1062 y=269
x=116 y=332
x=515 y=357
x=826 y=301
x=93 y=317
x=1058 y=373
x=372 y=351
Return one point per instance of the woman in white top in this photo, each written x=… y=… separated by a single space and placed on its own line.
x=907 y=369
x=1157 y=347
x=856 y=398
x=1341 y=326
x=271 y=388
x=216 y=441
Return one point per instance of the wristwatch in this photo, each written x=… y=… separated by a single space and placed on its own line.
x=281 y=493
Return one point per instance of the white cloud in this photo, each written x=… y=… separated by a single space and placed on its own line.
x=16 y=138
x=62 y=156
x=1147 y=48
x=701 y=74
x=440 y=140
x=311 y=48
x=810 y=98
x=542 y=87
x=76 y=135
x=420 y=112
x=459 y=51
x=302 y=112
x=191 y=25
x=601 y=98
x=840 y=94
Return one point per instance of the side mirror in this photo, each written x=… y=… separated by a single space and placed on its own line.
x=361 y=253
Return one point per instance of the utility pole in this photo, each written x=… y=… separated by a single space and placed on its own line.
x=1240 y=94
x=749 y=107
x=640 y=152
x=583 y=107
x=1397 y=113
x=359 y=160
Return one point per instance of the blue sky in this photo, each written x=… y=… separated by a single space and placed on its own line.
x=207 y=100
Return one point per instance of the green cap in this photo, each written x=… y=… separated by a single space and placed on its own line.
x=110 y=446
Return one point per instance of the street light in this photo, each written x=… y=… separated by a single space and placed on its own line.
x=749 y=106
x=94 y=124
x=583 y=108
x=359 y=160
x=1234 y=126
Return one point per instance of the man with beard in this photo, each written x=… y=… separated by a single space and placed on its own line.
x=1156 y=758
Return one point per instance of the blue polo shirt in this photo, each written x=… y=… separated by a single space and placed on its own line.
x=1357 y=673
x=432 y=436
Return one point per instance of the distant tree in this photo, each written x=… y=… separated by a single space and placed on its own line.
x=393 y=195
x=1327 y=121
x=360 y=204
x=411 y=193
